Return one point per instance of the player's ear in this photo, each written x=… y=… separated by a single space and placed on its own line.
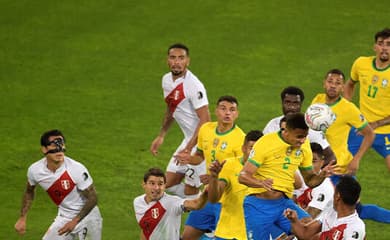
x=43 y=149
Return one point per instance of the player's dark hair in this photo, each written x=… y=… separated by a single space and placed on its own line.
x=253 y=135
x=282 y=120
x=292 y=90
x=46 y=135
x=316 y=148
x=349 y=189
x=227 y=98
x=385 y=33
x=156 y=172
x=181 y=46
x=335 y=71
x=296 y=120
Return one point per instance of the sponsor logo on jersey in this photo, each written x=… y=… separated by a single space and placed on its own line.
x=321 y=197
x=85 y=176
x=200 y=95
x=361 y=118
x=355 y=235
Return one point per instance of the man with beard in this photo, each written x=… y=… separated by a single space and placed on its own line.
x=373 y=74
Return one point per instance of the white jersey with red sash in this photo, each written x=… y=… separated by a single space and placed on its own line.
x=346 y=228
x=63 y=185
x=183 y=96
x=159 y=219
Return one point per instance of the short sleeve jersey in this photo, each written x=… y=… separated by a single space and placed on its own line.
x=347 y=116
x=276 y=159
x=314 y=136
x=231 y=224
x=159 y=219
x=63 y=185
x=219 y=146
x=345 y=228
x=322 y=197
x=374 y=94
x=184 y=96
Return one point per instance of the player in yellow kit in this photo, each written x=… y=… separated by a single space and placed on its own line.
x=216 y=141
x=269 y=174
x=347 y=116
x=373 y=75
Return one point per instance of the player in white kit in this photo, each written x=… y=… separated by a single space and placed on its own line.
x=187 y=103
x=70 y=187
x=158 y=213
x=341 y=223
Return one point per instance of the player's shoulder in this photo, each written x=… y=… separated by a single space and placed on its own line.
x=239 y=130
x=37 y=165
x=319 y=98
x=209 y=126
x=364 y=60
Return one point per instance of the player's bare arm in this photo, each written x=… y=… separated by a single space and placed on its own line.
x=90 y=195
x=215 y=187
x=380 y=122
x=368 y=139
x=204 y=116
x=185 y=157
x=166 y=124
x=312 y=179
x=246 y=177
x=310 y=230
x=349 y=89
x=197 y=203
x=28 y=197
x=329 y=155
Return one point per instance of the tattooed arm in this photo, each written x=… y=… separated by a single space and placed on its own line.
x=28 y=197
x=90 y=195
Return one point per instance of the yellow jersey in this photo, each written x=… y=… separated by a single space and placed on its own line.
x=276 y=159
x=231 y=224
x=347 y=116
x=374 y=96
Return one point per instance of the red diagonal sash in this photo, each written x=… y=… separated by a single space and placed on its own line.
x=151 y=219
x=175 y=97
x=61 y=188
x=335 y=233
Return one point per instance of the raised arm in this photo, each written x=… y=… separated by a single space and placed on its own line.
x=215 y=187
x=28 y=197
x=349 y=89
x=91 y=202
x=246 y=177
x=368 y=139
x=166 y=124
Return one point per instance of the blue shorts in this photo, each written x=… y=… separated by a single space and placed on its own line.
x=205 y=219
x=381 y=143
x=264 y=217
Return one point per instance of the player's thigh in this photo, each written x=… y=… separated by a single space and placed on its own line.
x=382 y=145
x=52 y=232
x=193 y=173
x=91 y=226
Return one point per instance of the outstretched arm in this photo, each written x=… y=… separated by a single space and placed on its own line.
x=197 y=203
x=368 y=139
x=28 y=197
x=166 y=124
x=90 y=195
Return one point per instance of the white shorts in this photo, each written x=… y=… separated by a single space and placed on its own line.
x=192 y=172
x=89 y=228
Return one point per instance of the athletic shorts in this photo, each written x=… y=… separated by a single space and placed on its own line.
x=205 y=219
x=264 y=217
x=381 y=143
x=89 y=228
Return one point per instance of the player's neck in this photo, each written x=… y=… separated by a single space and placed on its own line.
x=345 y=211
x=223 y=128
x=381 y=65
x=54 y=165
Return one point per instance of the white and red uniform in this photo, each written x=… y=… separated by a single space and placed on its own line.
x=159 y=219
x=183 y=96
x=320 y=197
x=346 y=228
x=63 y=187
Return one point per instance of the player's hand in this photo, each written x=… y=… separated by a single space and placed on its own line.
x=290 y=215
x=329 y=169
x=267 y=184
x=68 y=227
x=216 y=167
x=156 y=144
x=183 y=157
x=20 y=226
x=205 y=179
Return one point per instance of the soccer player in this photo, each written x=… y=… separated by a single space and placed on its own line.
x=269 y=174
x=292 y=99
x=224 y=182
x=341 y=223
x=71 y=188
x=347 y=115
x=216 y=141
x=373 y=74
x=158 y=213
x=187 y=103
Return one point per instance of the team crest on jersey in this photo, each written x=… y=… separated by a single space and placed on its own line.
x=215 y=142
x=65 y=184
x=155 y=213
x=374 y=79
x=224 y=145
x=385 y=82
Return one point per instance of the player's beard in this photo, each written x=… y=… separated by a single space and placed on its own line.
x=176 y=72
x=384 y=57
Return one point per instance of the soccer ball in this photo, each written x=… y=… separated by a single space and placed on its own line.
x=319 y=117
